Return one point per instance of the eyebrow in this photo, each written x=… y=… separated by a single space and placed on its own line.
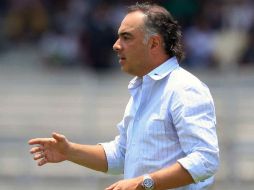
x=125 y=34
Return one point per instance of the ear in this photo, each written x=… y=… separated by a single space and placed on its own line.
x=155 y=42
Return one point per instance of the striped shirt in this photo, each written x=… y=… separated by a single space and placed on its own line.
x=169 y=118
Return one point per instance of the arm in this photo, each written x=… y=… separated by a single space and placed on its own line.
x=90 y=156
x=171 y=177
x=194 y=118
x=58 y=149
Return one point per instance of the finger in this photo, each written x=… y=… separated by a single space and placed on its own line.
x=39 y=156
x=36 y=149
x=40 y=141
x=58 y=137
x=42 y=162
x=112 y=186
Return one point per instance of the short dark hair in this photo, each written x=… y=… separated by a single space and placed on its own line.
x=160 y=21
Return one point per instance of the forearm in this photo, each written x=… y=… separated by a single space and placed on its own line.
x=171 y=177
x=90 y=156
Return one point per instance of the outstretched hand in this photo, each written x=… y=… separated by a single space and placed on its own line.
x=50 y=150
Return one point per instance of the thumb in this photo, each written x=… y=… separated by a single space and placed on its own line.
x=58 y=137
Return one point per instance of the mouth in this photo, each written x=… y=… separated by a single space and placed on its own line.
x=121 y=59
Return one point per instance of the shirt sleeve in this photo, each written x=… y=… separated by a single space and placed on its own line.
x=193 y=115
x=115 y=152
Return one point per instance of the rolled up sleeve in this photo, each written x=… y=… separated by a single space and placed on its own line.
x=194 y=117
x=115 y=152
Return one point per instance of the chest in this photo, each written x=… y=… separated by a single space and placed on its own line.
x=147 y=116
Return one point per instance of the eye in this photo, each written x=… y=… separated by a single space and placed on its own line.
x=126 y=37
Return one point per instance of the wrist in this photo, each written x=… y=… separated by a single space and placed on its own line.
x=139 y=181
x=69 y=152
x=147 y=182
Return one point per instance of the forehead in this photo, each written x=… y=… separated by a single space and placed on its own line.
x=132 y=21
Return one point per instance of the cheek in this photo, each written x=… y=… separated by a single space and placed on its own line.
x=137 y=51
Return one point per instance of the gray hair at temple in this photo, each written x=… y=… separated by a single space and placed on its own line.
x=159 y=21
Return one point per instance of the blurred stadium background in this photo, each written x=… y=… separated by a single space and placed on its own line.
x=58 y=73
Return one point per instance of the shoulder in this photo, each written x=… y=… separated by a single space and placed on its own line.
x=185 y=85
x=180 y=79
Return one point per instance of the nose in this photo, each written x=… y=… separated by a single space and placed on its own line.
x=117 y=46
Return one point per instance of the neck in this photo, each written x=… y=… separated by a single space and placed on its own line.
x=157 y=61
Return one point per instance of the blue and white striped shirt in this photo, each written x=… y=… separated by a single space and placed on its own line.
x=170 y=118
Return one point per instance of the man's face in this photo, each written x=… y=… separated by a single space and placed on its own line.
x=132 y=51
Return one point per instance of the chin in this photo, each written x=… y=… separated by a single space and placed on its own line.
x=126 y=70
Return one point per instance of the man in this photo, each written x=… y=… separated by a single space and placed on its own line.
x=167 y=138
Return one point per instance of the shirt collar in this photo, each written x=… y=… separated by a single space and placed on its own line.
x=135 y=82
x=164 y=69
x=158 y=73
